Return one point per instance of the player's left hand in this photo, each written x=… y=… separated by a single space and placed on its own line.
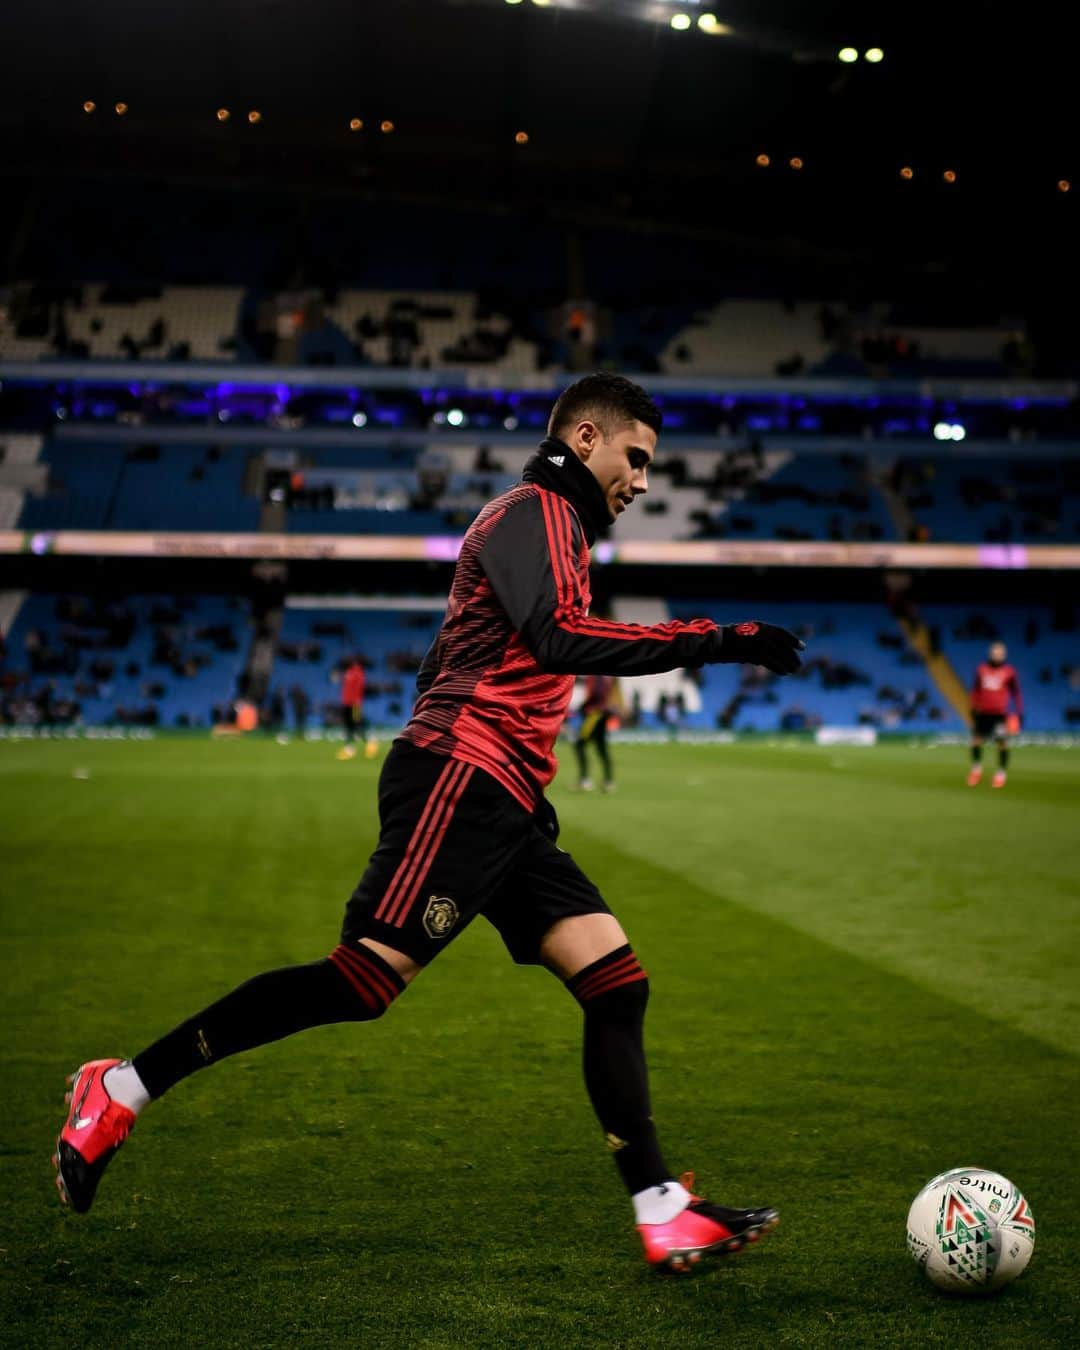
x=761 y=644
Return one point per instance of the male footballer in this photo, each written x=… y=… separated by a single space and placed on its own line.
x=995 y=683
x=465 y=829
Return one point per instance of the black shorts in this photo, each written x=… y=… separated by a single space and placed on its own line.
x=453 y=843
x=984 y=724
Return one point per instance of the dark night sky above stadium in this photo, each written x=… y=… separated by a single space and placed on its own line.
x=613 y=101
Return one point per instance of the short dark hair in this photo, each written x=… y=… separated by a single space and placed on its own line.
x=604 y=398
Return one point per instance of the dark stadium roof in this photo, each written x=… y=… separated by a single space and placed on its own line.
x=618 y=107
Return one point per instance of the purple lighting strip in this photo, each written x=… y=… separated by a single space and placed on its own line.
x=1003 y=555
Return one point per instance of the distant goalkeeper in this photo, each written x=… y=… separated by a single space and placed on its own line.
x=996 y=682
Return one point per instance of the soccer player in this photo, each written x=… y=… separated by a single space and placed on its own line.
x=352 y=710
x=995 y=682
x=465 y=828
x=598 y=704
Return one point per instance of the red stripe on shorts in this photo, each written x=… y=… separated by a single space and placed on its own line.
x=439 y=827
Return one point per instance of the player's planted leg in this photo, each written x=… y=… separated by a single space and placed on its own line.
x=678 y=1229
x=353 y=984
x=975 y=772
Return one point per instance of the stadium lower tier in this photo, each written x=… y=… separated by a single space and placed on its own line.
x=156 y=660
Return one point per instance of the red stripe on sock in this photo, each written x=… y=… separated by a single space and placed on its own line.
x=416 y=841
x=381 y=983
x=367 y=997
x=444 y=825
x=616 y=982
x=624 y=963
x=380 y=980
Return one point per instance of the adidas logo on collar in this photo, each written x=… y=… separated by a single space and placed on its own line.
x=558 y=460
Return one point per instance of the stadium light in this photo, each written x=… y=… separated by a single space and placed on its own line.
x=949 y=431
x=89 y=106
x=121 y=109
x=254 y=116
x=907 y=173
x=521 y=137
x=873 y=55
x=949 y=175
x=455 y=417
x=958 y=432
x=681 y=22
x=386 y=126
x=356 y=124
x=359 y=419
x=847 y=55
x=510 y=423
x=795 y=162
x=762 y=161
x=513 y=2
x=709 y=23
x=223 y=114
x=1064 y=185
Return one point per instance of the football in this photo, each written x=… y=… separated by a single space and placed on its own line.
x=970 y=1230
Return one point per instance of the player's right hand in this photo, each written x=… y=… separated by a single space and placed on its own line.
x=761 y=644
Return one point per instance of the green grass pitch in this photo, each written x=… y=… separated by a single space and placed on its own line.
x=863 y=973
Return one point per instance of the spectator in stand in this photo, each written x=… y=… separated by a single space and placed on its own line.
x=352 y=711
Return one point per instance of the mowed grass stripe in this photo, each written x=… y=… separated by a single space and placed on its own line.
x=887 y=854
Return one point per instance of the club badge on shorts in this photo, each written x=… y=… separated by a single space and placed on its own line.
x=440 y=916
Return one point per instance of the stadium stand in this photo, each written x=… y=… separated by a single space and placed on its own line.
x=136 y=660
x=315 y=639
x=977 y=499
x=857 y=671
x=103 y=485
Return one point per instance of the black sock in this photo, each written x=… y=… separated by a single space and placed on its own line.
x=976 y=754
x=613 y=993
x=1003 y=756
x=352 y=985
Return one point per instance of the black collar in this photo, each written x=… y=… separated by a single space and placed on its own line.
x=556 y=467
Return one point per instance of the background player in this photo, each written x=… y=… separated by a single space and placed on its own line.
x=465 y=828
x=352 y=710
x=601 y=700
x=995 y=682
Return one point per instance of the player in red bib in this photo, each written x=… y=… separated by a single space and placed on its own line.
x=352 y=710
x=995 y=684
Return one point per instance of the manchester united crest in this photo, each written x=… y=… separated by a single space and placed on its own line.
x=440 y=916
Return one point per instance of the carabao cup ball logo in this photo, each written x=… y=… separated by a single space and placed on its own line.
x=970 y=1230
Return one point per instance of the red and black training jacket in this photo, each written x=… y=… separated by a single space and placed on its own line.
x=495 y=686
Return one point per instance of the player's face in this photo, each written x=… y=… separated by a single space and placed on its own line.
x=618 y=461
x=997 y=653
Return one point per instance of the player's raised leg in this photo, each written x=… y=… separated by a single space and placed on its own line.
x=678 y=1229
x=355 y=983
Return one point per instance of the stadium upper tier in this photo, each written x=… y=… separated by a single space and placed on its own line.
x=509 y=332
x=241 y=483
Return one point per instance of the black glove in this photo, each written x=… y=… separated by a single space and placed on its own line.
x=760 y=644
